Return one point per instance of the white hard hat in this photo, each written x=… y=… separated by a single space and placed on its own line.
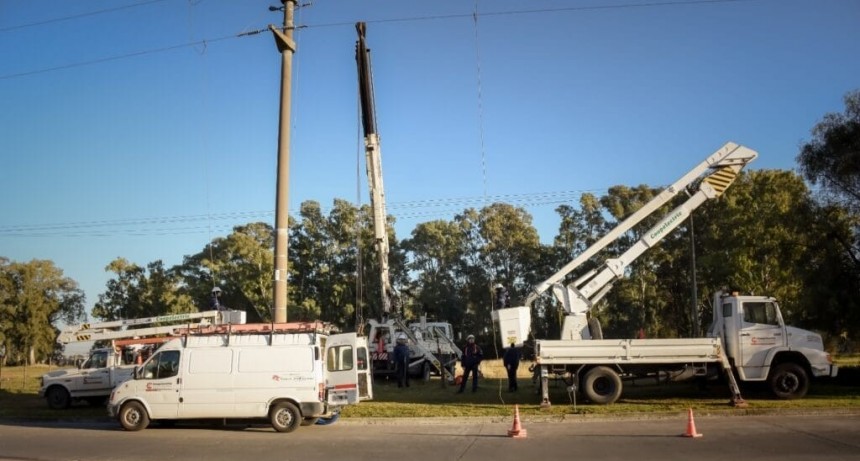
x=216 y=290
x=470 y=337
x=401 y=336
x=499 y=285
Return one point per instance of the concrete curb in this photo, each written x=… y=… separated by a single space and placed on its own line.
x=582 y=418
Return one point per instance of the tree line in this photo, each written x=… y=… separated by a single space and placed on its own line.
x=770 y=234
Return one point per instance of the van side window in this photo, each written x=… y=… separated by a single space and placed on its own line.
x=339 y=358
x=760 y=312
x=162 y=365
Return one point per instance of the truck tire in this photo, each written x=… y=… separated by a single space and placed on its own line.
x=58 y=398
x=425 y=371
x=788 y=381
x=285 y=417
x=133 y=416
x=602 y=385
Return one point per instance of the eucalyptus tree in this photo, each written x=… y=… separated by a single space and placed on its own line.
x=35 y=297
x=434 y=251
x=137 y=292
x=832 y=158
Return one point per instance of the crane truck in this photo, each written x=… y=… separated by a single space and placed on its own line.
x=431 y=345
x=747 y=338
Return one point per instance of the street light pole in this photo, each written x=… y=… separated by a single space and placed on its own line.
x=286 y=46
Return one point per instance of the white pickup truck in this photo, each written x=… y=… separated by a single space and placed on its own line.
x=92 y=381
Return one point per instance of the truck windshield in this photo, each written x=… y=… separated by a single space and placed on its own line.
x=760 y=312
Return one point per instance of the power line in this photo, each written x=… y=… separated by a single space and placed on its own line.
x=167 y=225
x=474 y=15
x=77 y=16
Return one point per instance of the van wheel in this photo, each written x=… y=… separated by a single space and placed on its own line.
x=133 y=417
x=788 y=381
x=602 y=385
x=58 y=398
x=285 y=417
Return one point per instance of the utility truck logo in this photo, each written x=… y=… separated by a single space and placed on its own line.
x=755 y=341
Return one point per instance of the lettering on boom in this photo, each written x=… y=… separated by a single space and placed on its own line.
x=655 y=234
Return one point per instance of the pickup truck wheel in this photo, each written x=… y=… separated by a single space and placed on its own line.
x=285 y=417
x=788 y=381
x=133 y=416
x=602 y=385
x=58 y=398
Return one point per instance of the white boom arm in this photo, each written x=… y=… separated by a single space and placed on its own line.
x=724 y=165
x=118 y=329
x=580 y=296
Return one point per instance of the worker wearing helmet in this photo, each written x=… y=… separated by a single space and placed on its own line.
x=472 y=356
x=401 y=360
x=215 y=300
x=502 y=299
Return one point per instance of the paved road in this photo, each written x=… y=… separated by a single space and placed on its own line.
x=750 y=438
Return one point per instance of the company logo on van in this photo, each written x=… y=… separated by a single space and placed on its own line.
x=155 y=387
x=292 y=378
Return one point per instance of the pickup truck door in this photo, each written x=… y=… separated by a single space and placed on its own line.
x=95 y=375
x=347 y=369
x=761 y=330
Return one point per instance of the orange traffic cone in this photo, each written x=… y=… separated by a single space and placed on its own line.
x=517 y=431
x=691 y=426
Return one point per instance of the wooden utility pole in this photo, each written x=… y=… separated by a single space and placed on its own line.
x=286 y=46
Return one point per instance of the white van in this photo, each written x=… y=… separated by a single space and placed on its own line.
x=279 y=376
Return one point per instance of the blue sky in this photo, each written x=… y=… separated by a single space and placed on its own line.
x=145 y=129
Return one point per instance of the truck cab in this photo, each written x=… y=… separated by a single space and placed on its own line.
x=762 y=347
x=91 y=381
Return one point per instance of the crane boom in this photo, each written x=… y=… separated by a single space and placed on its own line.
x=707 y=180
x=373 y=162
x=730 y=155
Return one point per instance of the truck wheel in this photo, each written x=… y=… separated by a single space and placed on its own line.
x=58 y=398
x=425 y=372
x=133 y=416
x=788 y=381
x=285 y=417
x=602 y=385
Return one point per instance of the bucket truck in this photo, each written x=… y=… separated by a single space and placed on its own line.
x=748 y=337
x=431 y=346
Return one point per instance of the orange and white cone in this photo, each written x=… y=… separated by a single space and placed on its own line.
x=691 y=426
x=517 y=431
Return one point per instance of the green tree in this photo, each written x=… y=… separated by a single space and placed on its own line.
x=435 y=249
x=35 y=297
x=138 y=292
x=832 y=158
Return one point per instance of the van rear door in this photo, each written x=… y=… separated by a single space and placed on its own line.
x=347 y=372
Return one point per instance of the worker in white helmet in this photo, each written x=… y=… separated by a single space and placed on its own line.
x=401 y=360
x=215 y=300
x=472 y=356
